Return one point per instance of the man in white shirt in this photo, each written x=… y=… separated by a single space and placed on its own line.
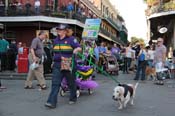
x=160 y=57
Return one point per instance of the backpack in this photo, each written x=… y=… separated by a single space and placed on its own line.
x=142 y=57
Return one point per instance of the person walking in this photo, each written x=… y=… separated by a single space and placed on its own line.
x=35 y=57
x=160 y=58
x=63 y=48
x=141 y=63
x=127 y=58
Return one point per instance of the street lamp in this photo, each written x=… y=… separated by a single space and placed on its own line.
x=162 y=29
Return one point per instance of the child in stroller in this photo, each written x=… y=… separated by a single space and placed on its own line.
x=83 y=81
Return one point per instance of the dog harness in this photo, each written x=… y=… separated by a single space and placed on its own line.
x=127 y=89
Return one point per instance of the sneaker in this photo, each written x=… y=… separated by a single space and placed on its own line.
x=72 y=102
x=2 y=87
x=27 y=87
x=49 y=105
x=43 y=87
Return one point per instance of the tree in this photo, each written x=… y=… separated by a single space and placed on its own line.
x=135 y=40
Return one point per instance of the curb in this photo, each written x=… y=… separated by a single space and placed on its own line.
x=19 y=76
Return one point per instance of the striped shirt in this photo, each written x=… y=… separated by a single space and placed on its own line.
x=64 y=47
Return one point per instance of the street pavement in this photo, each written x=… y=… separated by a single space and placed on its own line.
x=151 y=100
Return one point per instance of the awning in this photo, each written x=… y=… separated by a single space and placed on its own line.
x=41 y=19
x=161 y=14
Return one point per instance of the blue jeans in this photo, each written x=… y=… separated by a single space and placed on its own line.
x=150 y=63
x=141 y=67
x=57 y=78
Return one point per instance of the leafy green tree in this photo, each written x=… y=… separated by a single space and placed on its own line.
x=135 y=40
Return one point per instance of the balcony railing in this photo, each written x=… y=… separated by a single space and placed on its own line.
x=116 y=25
x=15 y=11
x=79 y=17
x=105 y=32
x=110 y=35
x=47 y=11
x=113 y=37
x=94 y=8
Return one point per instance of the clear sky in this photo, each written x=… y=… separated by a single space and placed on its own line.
x=133 y=12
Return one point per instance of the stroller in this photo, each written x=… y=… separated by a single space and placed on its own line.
x=83 y=81
x=110 y=64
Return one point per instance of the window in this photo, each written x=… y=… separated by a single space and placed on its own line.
x=10 y=35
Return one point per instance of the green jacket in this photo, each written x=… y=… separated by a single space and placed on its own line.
x=4 y=44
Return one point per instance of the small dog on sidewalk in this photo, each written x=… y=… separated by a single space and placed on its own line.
x=123 y=93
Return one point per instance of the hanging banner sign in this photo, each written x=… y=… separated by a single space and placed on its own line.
x=91 y=28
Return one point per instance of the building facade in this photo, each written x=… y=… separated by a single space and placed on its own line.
x=112 y=22
x=161 y=21
x=22 y=23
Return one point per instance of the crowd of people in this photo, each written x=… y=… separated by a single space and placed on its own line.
x=136 y=57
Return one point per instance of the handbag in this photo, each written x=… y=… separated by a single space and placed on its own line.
x=66 y=63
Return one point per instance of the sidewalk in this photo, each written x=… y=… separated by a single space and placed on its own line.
x=9 y=75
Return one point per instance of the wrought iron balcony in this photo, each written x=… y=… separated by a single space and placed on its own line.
x=45 y=11
x=79 y=17
x=94 y=8
x=108 y=34
x=117 y=25
x=103 y=31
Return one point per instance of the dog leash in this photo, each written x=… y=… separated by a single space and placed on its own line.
x=101 y=70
